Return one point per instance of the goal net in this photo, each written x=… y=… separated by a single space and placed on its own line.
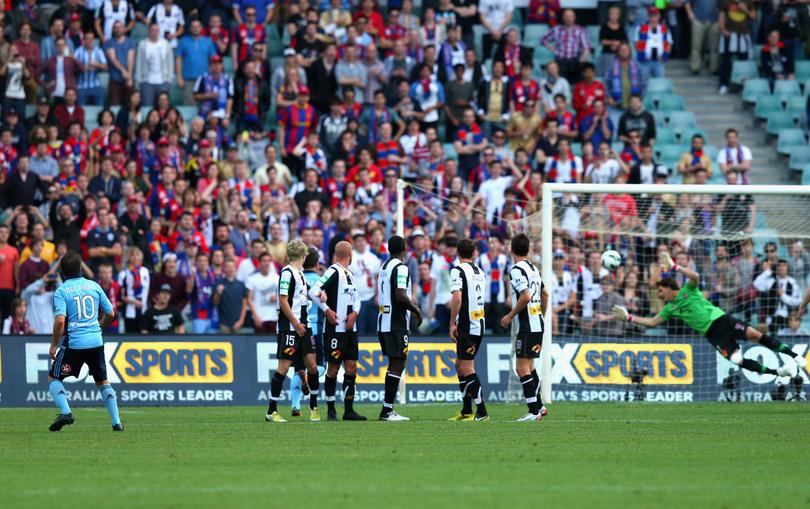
x=748 y=243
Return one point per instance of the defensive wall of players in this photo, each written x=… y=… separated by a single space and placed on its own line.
x=236 y=370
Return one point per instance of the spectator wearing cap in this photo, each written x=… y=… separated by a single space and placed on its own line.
x=277 y=78
x=93 y=61
x=296 y=122
x=250 y=30
x=653 y=42
x=365 y=268
x=154 y=66
x=214 y=90
x=120 y=52
x=162 y=317
x=230 y=298
x=170 y=18
x=193 y=51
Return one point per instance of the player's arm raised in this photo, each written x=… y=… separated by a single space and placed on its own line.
x=668 y=264
x=621 y=313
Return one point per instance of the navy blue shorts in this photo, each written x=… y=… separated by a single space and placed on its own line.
x=69 y=362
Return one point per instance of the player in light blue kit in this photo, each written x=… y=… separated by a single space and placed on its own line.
x=81 y=311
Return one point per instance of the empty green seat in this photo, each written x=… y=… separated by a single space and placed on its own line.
x=659 y=86
x=802 y=70
x=797 y=105
x=799 y=157
x=786 y=88
x=743 y=70
x=187 y=112
x=689 y=132
x=755 y=88
x=806 y=175
x=665 y=135
x=532 y=34
x=767 y=105
x=680 y=120
x=665 y=102
x=789 y=138
x=778 y=121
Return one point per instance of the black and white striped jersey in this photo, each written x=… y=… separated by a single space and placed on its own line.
x=393 y=315
x=293 y=287
x=525 y=276
x=341 y=295
x=469 y=279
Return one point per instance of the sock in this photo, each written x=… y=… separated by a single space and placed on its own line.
x=275 y=391
x=295 y=392
x=330 y=385
x=111 y=402
x=314 y=386
x=476 y=392
x=466 y=400
x=348 y=393
x=59 y=395
x=537 y=384
x=530 y=393
x=752 y=365
x=776 y=346
x=391 y=387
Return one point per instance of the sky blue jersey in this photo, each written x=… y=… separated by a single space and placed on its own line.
x=79 y=300
x=313 y=312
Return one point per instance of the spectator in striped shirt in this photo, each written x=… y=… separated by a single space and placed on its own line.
x=94 y=61
x=570 y=45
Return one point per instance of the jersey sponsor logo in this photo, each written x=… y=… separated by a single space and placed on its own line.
x=428 y=363
x=159 y=363
x=284 y=285
x=477 y=314
x=615 y=363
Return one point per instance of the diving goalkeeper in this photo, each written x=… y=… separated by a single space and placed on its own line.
x=720 y=329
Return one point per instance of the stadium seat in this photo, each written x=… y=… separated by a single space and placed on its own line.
x=665 y=135
x=576 y=148
x=542 y=56
x=115 y=109
x=450 y=151
x=227 y=65
x=755 y=88
x=767 y=105
x=478 y=38
x=669 y=154
x=789 y=138
x=659 y=86
x=661 y=119
x=665 y=102
x=689 y=132
x=593 y=35
x=799 y=157
x=91 y=116
x=797 y=105
x=532 y=34
x=806 y=175
x=786 y=88
x=176 y=95
x=779 y=120
x=743 y=70
x=711 y=151
x=187 y=112
x=802 y=70
x=141 y=31
x=682 y=120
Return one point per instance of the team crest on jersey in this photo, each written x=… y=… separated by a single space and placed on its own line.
x=66 y=369
x=518 y=344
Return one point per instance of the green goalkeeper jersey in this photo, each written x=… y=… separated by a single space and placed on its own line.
x=693 y=308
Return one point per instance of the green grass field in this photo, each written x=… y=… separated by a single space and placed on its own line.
x=582 y=455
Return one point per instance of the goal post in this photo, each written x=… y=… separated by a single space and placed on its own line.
x=695 y=219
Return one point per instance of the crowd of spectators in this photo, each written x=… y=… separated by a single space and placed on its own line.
x=305 y=116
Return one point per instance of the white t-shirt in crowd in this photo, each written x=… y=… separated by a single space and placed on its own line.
x=605 y=173
x=154 y=62
x=492 y=191
x=365 y=267
x=264 y=289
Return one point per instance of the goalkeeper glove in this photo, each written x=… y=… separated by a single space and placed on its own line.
x=666 y=262
x=621 y=313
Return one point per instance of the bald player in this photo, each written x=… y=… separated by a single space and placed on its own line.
x=336 y=295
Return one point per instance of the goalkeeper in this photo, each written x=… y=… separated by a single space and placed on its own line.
x=720 y=329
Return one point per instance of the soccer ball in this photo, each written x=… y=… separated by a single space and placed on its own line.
x=611 y=260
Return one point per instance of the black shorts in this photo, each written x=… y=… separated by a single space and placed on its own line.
x=341 y=346
x=69 y=362
x=467 y=346
x=394 y=344
x=724 y=333
x=528 y=345
x=291 y=346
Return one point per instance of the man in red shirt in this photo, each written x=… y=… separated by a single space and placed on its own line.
x=9 y=282
x=621 y=207
x=187 y=233
x=587 y=91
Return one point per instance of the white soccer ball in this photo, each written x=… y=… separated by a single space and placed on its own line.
x=611 y=260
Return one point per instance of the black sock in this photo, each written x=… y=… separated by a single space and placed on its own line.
x=476 y=392
x=752 y=365
x=776 y=345
x=391 y=387
x=348 y=393
x=330 y=387
x=314 y=387
x=537 y=384
x=276 y=385
x=466 y=400
x=530 y=393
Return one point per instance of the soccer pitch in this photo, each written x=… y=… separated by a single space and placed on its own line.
x=582 y=455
